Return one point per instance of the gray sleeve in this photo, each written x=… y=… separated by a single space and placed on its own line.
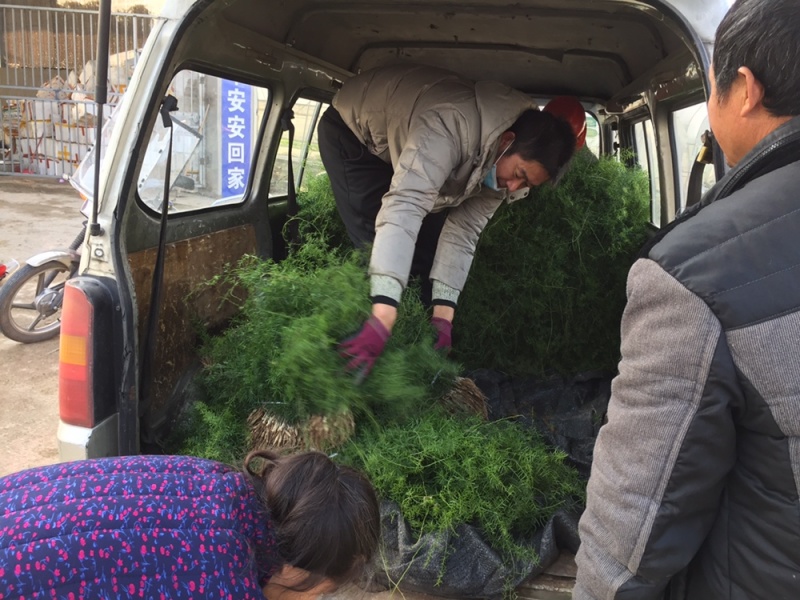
x=389 y=287
x=430 y=154
x=459 y=237
x=442 y=291
x=660 y=461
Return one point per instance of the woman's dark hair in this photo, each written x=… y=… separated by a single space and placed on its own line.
x=544 y=138
x=762 y=36
x=326 y=516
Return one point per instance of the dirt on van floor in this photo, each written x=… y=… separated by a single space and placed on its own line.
x=36 y=214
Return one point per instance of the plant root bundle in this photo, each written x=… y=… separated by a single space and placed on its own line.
x=318 y=432
x=465 y=397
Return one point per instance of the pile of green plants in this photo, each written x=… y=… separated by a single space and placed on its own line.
x=445 y=471
x=280 y=354
x=317 y=218
x=546 y=290
x=545 y=294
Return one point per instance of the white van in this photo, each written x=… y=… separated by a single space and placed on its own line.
x=237 y=67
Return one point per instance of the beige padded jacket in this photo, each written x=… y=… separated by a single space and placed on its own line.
x=440 y=133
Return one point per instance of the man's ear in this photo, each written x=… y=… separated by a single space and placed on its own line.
x=753 y=92
x=506 y=139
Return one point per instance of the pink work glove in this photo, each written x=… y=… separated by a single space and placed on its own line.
x=364 y=348
x=444 y=329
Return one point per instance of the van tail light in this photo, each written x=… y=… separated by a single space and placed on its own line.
x=75 y=393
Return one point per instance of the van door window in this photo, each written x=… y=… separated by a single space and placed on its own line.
x=645 y=148
x=215 y=131
x=592 y=134
x=688 y=124
x=592 y=131
x=306 y=161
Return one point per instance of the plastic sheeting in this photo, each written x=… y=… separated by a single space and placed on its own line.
x=568 y=413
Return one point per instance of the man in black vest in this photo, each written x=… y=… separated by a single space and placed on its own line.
x=696 y=476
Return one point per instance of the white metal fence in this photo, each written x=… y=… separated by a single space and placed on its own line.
x=47 y=83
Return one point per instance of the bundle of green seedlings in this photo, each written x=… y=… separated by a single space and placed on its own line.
x=279 y=356
x=546 y=290
x=444 y=471
x=317 y=218
x=280 y=353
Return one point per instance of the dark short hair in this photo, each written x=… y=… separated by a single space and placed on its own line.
x=762 y=36
x=326 y=516
x=544 y=138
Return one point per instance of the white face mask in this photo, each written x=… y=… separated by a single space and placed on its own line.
x=490 y=180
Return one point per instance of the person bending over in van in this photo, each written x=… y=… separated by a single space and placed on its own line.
x=181 y=527
x=695 y=485
x=419 y=160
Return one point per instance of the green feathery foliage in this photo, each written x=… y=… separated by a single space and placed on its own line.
x=211 y=430
x=547 y=288
x=280 y=352
x=444 y=471
x=318 y=217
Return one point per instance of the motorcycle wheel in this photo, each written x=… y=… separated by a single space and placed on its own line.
x=31 y=300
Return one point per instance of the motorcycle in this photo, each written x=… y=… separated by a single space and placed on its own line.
x=31 y=297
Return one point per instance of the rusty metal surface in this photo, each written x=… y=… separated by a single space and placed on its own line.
x=189 y=303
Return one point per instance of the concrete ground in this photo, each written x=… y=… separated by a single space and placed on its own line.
x=35 y=215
